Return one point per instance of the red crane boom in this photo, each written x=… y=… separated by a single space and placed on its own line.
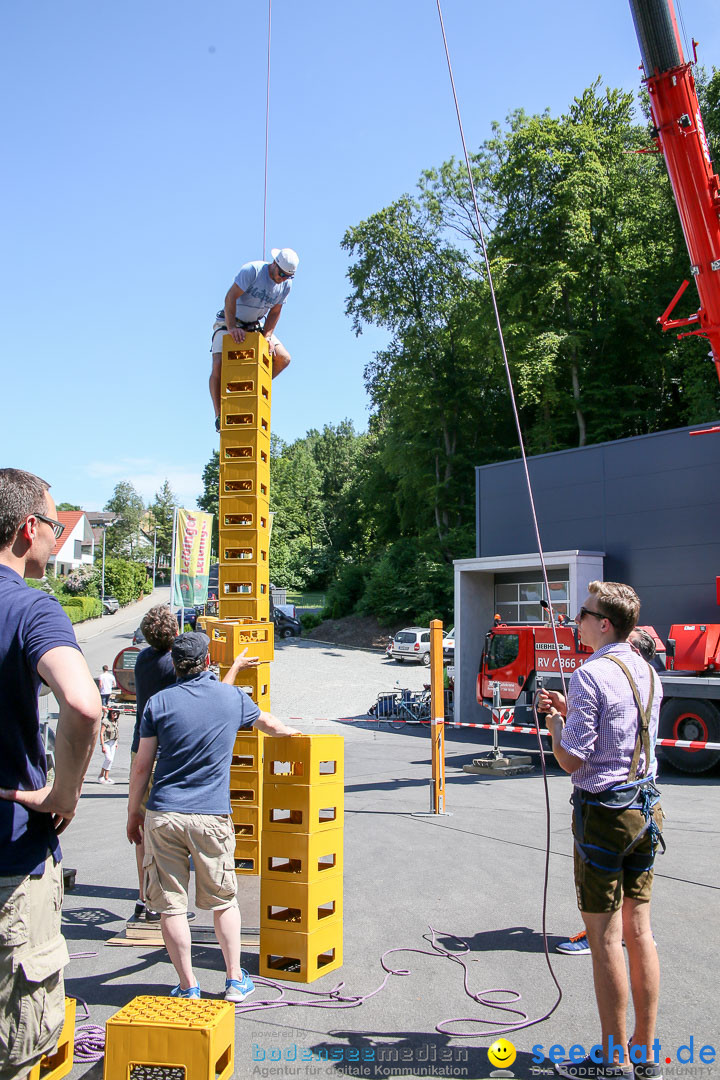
x=680 y=135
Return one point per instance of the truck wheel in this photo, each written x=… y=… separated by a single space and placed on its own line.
x=685 y=718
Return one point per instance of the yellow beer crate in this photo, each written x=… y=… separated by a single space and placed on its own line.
x=257 y=610
x=246 y=820
x=302 y=807
x=251 y=547
x=229 y=638
x=60 y=1062
x=296 y=957
x=245 y=445
x=197 y=1037
x=247 y=856
x=248 y=750
x=302 y=906
x=304 y=759
x=301 y=856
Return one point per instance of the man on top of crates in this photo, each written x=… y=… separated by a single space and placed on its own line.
x=188 y=811
x=258 y=292
x=37 y=644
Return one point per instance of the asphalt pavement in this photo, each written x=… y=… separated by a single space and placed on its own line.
x=476 y=876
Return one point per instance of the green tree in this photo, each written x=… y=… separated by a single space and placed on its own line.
x=162 y=512
x=123 y=537
x=68 y=506
x=436 y=388
x=209 y=500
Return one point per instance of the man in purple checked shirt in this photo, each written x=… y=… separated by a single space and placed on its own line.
x=606 y=742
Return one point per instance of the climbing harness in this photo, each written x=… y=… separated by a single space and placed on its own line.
x=636 y=793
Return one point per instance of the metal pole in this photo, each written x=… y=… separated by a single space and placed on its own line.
x=437 y=716
x=102 y=590
x=154 y=553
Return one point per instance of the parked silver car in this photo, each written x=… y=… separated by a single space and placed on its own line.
x=413 y=643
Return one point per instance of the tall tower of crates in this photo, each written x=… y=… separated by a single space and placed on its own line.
x=244 y=579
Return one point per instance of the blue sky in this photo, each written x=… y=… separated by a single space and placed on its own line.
x=133 y=138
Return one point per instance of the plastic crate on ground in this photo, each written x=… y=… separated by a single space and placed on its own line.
x=60 y=1061
x=179 y=1038
x=285 y=954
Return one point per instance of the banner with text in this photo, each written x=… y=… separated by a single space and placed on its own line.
x=192 y=557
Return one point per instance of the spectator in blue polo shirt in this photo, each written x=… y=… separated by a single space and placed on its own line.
x=37 y=644
x=191 y=727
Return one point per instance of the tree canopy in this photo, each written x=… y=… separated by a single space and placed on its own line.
x=585 y=249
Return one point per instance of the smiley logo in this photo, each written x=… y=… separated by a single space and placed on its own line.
x=502 y=1053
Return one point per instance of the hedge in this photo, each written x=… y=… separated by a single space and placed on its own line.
x=79 y=608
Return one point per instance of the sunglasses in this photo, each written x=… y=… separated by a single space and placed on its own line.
x=283 y=273
x=57 y=526
x=595 y=614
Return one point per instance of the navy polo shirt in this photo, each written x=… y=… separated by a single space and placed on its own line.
x=195 y=722
x=31 y=623
x=154 y=671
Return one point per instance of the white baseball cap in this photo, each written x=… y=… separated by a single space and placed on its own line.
x=286 y=258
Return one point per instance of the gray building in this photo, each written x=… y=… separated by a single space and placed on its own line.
x=641 y=510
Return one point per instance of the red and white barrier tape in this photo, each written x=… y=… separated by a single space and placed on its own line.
x=683 y=744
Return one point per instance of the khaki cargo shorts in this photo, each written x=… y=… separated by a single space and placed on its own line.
x=33 y=954
x=170 y=840
x=603 y=891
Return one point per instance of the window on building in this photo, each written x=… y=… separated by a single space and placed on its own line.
x=78 y=549
x=520 y=601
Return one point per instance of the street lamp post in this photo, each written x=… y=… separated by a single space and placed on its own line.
x=104 y=525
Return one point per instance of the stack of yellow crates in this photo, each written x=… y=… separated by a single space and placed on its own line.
x=244 y=577
x=301 y=881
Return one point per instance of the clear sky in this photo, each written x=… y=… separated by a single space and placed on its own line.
x=133 y=141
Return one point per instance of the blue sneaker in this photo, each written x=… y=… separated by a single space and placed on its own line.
x=238 y=989
x=576 y=946
x=191 y=992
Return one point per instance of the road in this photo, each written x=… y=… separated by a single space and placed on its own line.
x=477 y=874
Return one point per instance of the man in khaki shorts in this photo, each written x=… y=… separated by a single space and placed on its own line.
x=194 y=723
x=37 y=644
x=607 y=745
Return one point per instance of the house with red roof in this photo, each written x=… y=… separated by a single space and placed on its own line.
x=76 y=546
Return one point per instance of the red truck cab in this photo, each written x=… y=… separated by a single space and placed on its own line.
x=514 y=655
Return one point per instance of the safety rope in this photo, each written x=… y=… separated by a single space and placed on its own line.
x=267 y=129
x=508 y=373
x=506 y=362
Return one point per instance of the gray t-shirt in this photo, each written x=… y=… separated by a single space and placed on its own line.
x=195 y=722
x=260 y=293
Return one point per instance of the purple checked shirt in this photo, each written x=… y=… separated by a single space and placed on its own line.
x=602 y=717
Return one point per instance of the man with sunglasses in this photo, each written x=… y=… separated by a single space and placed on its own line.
x=37 y=644
x=606 y=743
x=258 y=292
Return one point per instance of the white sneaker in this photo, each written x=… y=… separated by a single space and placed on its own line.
x=102 y=780
x=109 y=780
